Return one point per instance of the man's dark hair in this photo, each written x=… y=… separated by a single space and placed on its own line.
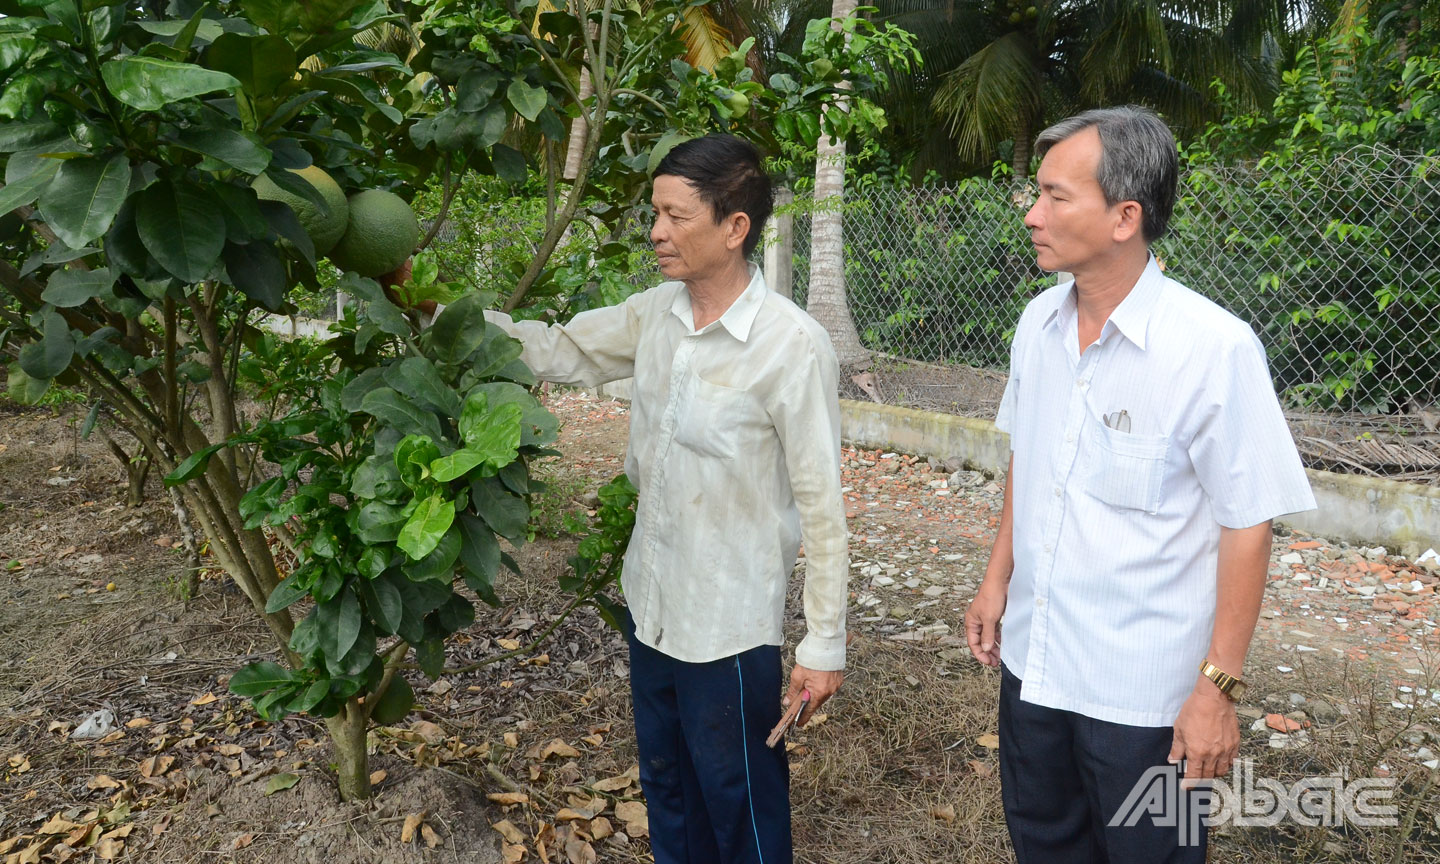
x=1138 y=161
x=729 y=175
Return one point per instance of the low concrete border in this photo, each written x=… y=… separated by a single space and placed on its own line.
x=1403 y=517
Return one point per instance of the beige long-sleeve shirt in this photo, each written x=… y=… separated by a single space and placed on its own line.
x=735 y=448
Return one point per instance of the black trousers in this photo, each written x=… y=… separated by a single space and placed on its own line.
x=1065 y=777
x=716 y=794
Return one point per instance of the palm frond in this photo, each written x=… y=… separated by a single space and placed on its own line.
x=706 y=41
x=981 y=100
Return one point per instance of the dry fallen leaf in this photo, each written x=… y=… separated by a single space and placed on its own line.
x=432 y=840
x=137 y=723
x=511 y=739
x=635 y=817
x=943 y=812
x=205 y=699
x=508 y=644
x=412 y=824
x=242 y=841
x=989 y=740
x=577 y=851
x=378 y=777
x=58 y=825
x=981 y=769
x=594 y=740
x=600 y=828
x=512 y=853
x=569 y=815
x=612 y=784
x=156 y=766
x=508 y=798
x=559 y=748
x=508 y=830
x=281 y=782
x=428 y=732
x=103 y=781
x=109 y=849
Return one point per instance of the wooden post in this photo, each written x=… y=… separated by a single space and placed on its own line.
x=780 y=247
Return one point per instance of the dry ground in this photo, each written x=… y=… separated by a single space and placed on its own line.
x=902 y=769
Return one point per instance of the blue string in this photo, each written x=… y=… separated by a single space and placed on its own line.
x=745 y=741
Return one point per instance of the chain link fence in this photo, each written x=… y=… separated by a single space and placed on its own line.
x=1335 y=264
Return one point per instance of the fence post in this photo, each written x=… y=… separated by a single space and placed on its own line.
x=780 y=250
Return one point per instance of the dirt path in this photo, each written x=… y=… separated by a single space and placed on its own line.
x=902 y=769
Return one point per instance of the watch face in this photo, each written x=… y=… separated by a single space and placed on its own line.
x=1237 y=690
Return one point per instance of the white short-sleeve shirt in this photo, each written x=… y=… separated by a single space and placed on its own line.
x=1116 y=533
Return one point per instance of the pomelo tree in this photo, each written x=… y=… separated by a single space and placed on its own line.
x=161 y=171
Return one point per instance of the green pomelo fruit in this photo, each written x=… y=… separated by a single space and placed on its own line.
x=324 y=227
x=382 y=234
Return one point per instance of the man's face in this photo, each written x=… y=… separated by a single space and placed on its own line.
x=688 y=243
x=1070 y=224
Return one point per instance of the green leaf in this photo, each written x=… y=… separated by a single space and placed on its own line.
x=494 y=432
x=237 y=148
x=378 y=522
x=192 y=466
x=149 y=84
x=310 y=697
x=426 y=527
x=286 y=594
x=509 y=163
x=430 y=655
x=277 y=16
x=373 y=562
x=459 y=329
x=383 y=601
x=24 y=191
x=205 y=29
x=439 y=565
x=51 y=355
x=418 y=378
x=280 y=782
x=181 y=227
x=24 y=134
x=82 y=200
x=480 y=553
x=258 y=271
x=379 y=310
x=507 y=514
x=456 y=465
x=90 y=419
x=70 y=288
x=283 y=221
x=377 y=477
x=662 y=149
x=457 y=614
x=23 y=388
x=338 y=621
x=262 y=64
x=526 y=99
x=259 y=678
x=353 y=393
x=401 y=414
x=413 y=456
x=395 y=703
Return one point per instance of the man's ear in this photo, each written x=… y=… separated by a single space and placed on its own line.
x=1130 y=222
x=737 y=226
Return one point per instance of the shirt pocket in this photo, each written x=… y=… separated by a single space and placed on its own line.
x=1129 y=469
x=711 y=417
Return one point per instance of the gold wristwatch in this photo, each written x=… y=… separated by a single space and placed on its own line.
x=1232 y=687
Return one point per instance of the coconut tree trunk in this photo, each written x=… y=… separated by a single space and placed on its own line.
x=826 y=300
x=1024 y=147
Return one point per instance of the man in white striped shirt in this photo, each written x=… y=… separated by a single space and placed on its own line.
x=1148 y=458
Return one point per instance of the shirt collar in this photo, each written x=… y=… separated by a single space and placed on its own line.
x=1131 y=317
x=739 y=318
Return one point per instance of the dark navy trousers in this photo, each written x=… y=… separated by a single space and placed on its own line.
x=1064 y=777
x=715 y=793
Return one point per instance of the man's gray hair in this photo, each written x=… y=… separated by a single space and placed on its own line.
x=1138 y=160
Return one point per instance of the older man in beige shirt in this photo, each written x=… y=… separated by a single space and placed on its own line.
x=735 y=448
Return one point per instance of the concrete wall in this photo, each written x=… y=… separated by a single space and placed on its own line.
x=1402 y=517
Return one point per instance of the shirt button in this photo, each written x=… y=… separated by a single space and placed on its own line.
x=1039 y=601
x=1058 y=490
x=1070 y=437
x=1048 y=547
x=1080 y=382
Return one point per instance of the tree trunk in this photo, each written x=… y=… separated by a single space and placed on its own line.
x=579 y=128
x=352 y=762
x=826 y=300
x=1024 y=147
